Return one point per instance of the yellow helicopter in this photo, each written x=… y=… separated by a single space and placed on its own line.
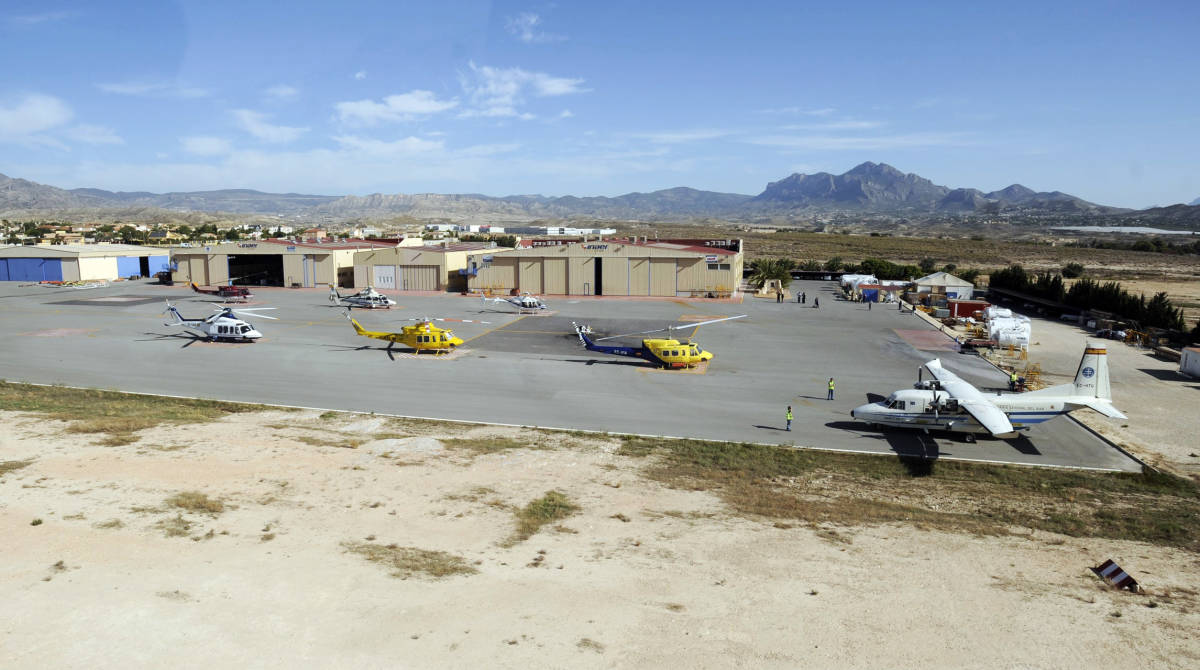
x=421 y=336
x=667 y=353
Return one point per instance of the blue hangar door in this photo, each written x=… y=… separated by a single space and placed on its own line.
x=31 y=269
x=129 y=266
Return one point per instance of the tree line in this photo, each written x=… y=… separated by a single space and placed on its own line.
x=1087 y=293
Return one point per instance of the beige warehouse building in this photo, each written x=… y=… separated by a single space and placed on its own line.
x=79 y=262
x=432 y=267
x=689 y=268
x=271 y=263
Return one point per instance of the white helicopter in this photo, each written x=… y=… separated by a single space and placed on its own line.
x=222 y=325
x=367 y=298
x=525 y=302
x=946 y=402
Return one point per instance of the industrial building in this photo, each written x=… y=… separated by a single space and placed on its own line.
x=689 y=268
x=79 y=262
x=431 y=267
x=270 y=263
x=945 y=284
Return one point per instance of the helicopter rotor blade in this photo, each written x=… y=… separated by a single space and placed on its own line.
x=670 y=329
x=705 y=323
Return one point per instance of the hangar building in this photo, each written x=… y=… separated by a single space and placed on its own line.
x=689 y=268
x=79 y=262
x=270 y=263
x=432 y=267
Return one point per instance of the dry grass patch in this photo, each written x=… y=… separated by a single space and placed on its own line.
x=12 y=466
x=119 y=415
x=174 y=527
x=111 y=524
x=478 y=446
x=554 y=506
x=828 y=489
x=405 y=562
x=195 y=501
x=339 y=442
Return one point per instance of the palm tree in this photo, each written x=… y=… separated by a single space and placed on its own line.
x=763 y=270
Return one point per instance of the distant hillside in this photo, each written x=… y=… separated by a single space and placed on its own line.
x=1195 y=202
x=20 y=194
x=876 y=188
x=879 y=187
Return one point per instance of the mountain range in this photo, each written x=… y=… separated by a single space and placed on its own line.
x=867 y=188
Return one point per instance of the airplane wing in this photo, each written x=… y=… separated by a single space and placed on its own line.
x=971 y=400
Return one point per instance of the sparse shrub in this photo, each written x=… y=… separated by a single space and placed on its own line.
x=194 y=501
x=551 y=507
x=1072 y=270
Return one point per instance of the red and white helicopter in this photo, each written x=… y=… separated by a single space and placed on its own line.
x=222 y=325
x=525 y=303
x=229 y=293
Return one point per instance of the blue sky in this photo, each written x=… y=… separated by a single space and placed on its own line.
x=1098 y=99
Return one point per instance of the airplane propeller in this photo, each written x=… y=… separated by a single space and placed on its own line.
x=670 y=329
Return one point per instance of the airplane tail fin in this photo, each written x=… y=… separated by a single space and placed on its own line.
x=1091 y=379
x=334 y=296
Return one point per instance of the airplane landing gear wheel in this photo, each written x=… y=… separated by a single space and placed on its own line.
x=969 y=438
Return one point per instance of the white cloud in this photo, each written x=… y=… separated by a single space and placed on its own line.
x=837 y=125
x=845 y=142
x=256 y=124
x=206 y=146
x=405 y=146
x=565 y=114
x=35 y=19
x=499 y=91
x=394 y=108
x=281 y=92
x=525 y=27
x=822 y=111
x=91 y=134
x=33 y=114
x=148 y=89
x=683 y=136
x=360 y=75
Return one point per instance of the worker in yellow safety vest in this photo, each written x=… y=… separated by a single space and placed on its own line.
x=789 y=417
x=830 y=395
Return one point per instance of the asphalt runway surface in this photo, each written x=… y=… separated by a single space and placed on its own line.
x=529 y=370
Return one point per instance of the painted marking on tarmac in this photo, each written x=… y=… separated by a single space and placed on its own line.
x=602 y=433
x=503 y=325
x=61 y=332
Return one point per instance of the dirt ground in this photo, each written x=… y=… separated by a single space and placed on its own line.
x=641 y=576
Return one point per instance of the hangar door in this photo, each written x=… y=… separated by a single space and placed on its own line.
x=662 y=276
x=419 y=277
x=31 y=269
x=555 y=279
x=384 y=276
x=530 y=280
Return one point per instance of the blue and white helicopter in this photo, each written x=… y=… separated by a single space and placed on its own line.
x=666 y=353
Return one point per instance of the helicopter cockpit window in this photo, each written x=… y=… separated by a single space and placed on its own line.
x=245 y=329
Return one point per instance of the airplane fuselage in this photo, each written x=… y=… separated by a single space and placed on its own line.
x=936 y=410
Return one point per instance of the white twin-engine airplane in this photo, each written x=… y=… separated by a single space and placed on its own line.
x=946 y=402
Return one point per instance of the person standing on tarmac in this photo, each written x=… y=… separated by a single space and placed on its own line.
x=830 y=395
x=789 y=417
